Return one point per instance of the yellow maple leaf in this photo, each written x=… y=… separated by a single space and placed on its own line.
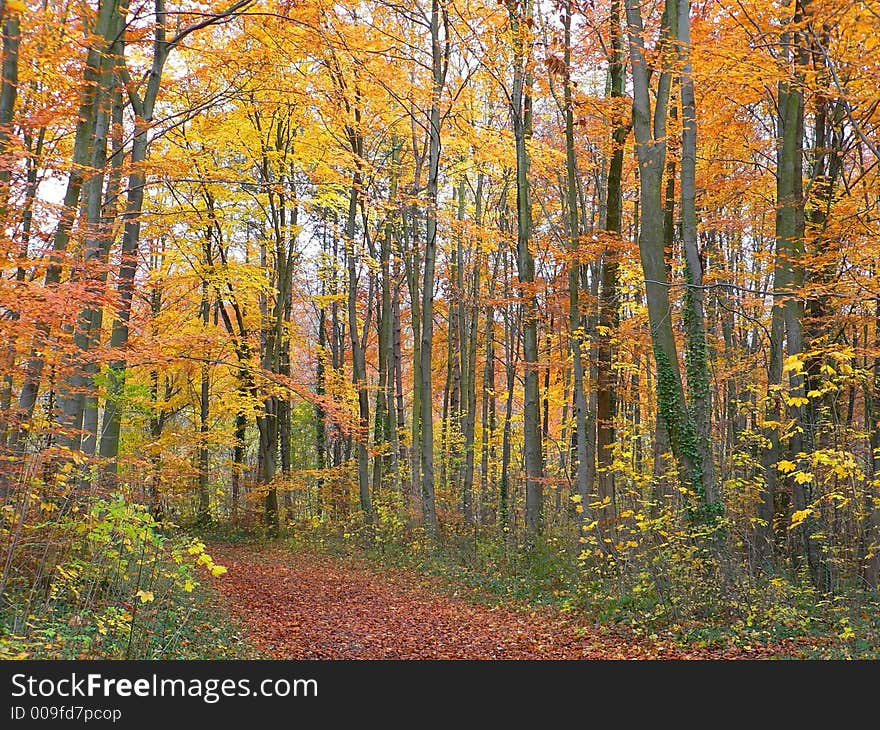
x=145 y=596
x=793 y=363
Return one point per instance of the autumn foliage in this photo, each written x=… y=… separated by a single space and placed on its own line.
x=592 y=280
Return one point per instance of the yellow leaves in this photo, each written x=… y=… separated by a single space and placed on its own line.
x=601 y=504
x=842 y=355
x=793 y=363
x=188 y=585
x=145 y=596
x=803 y=477
x=196 y=547
x=16 y=6
x=69 y=573
x=798 y=517
x=796 y=400
x=785 y=466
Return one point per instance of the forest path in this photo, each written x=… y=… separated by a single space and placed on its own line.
x=306 y=605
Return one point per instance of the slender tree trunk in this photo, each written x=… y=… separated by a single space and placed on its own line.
x=358 y=360
x=469 y=368
x=696 y=350
x=575 y=323
x=78 y=395
x=384 y=428
x=510 y=356
x=438 y=72
x=105 y=233
x=789 y=279
x=321 y=375
x=9 y=425
x=8 y=95
x=870 y=552
x=521 y=116
x=488 y=402
x=398 y=389
x=203 y=512
x=606 y=399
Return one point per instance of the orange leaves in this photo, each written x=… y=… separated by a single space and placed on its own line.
x=15 y=6
x=303 y=605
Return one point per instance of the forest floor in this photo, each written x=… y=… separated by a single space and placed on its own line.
x=304 y=604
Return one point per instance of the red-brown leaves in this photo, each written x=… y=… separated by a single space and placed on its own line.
x=309 y=606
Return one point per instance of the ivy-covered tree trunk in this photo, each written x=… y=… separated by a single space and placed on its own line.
x=696 y=351
x=650 y=135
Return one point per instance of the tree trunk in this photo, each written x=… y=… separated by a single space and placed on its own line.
x=650 y=137
x=696 y=351
x=427 y=326
x=469 y=368
x=789 y=279
x=608 y=319
x=203 y=512
x=358 y=360
x=576 y=330
x=97 y=60
x=521 y=117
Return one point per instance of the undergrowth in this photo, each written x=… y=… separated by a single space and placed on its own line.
x=105 y=580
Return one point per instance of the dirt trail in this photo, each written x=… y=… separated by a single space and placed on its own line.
x=296 y=605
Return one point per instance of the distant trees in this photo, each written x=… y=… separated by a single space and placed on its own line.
x=472 y=268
